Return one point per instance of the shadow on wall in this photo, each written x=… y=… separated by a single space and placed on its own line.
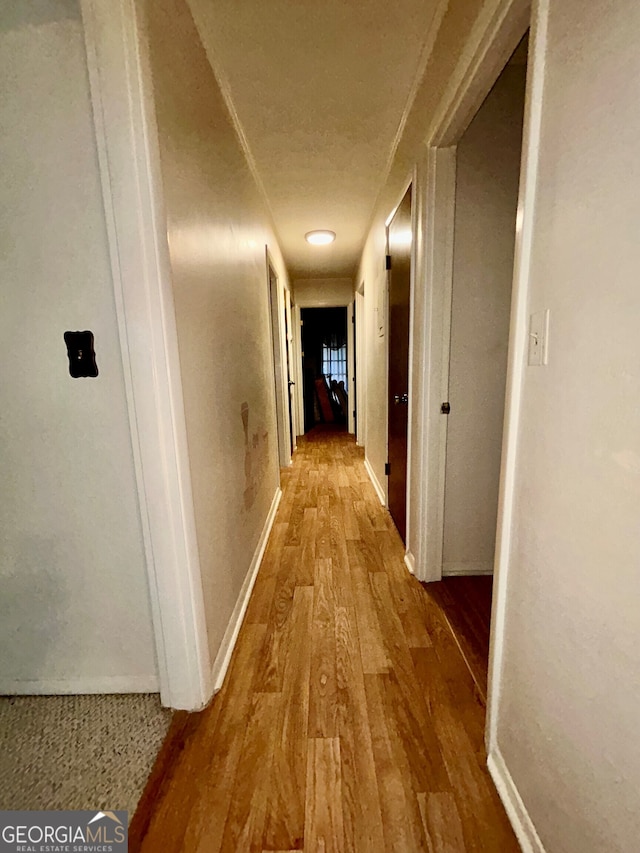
x=15 y=16
x=255 y=458
x=34 y=581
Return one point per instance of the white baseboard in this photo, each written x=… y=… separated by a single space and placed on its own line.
x=221 y=663
x=522 y=824
x=79 y=686
x=410 y=562
x=376 y=484
x=453 y=569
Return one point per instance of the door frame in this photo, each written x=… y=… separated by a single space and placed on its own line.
x=351 y=361
x=291 y=365
x=412 y=180
x=495 y=35
x=296 y=331
x=297 y=365
x=129 y=163
x=410 y=183
x=279 y=347
x=360 y=367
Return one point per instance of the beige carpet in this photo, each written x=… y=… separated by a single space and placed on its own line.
x=78 y=752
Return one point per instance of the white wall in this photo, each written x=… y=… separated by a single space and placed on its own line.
x=567 y=721
x=488 y=171
x=74 y=609
x=322 y=292
x=217 y=230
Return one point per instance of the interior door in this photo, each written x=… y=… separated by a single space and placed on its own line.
x=399 y=251
x=282 y=393
x=290 y=382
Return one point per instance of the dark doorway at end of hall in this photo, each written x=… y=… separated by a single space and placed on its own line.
x=324 y=367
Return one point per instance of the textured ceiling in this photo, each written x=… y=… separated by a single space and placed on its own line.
x=319 y=91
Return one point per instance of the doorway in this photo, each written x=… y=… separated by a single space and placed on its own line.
x=484 y=191
x=399 y=242
x=359 y=361
x=290 y=382
x=278 y=323
x=486 y=200
x=325 y=367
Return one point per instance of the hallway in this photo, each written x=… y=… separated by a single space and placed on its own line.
x=348 y=720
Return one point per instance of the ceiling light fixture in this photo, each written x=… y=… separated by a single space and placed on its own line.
x=320 y=238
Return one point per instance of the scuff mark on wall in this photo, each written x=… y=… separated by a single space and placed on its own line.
x=255 y=458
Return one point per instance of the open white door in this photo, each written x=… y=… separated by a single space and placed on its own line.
x=472 y=335
x=441 y=191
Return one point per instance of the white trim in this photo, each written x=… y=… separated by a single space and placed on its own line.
x=360 y=368
x=291 y=389
x=351 y=361
x=129 y=164
x=431 y=425
x=518 y=342
x=376 y=483
x=450 y=570
x=297 y=359
x=496 y=33
x=410 y=562
x=517 y=813
x=409 y=184
x=410 y=360
x=277 y=307
x=223 y=658
x=80 y=686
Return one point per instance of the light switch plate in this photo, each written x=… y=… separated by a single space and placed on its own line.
x=539 y=339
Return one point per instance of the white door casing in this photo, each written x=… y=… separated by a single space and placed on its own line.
x=130 y=173
x=277 y=307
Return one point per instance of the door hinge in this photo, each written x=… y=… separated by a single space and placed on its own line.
x=388 y=262
x=445 y=408
x=387 y=468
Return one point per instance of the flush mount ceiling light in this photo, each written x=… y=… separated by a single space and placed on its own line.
x=320 y=238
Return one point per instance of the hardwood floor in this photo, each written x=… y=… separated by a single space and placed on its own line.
x=348 y=720
x=466 y=604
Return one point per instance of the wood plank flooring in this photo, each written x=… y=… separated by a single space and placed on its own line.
x=466 y=604
x=349 y=720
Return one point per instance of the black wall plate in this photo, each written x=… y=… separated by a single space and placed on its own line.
x=82 y=357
